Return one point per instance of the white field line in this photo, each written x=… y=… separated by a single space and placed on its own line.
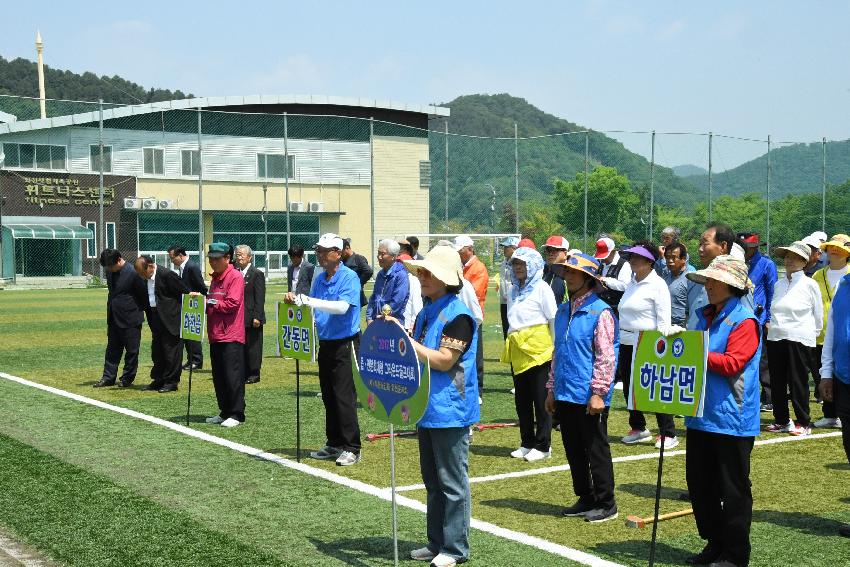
x=382 y=493
x=641 y=457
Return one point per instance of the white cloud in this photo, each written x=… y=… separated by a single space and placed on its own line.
x=670 y=31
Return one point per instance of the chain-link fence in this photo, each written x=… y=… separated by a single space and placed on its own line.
x=146 y=177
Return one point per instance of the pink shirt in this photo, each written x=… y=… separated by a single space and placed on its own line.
x=226 y=319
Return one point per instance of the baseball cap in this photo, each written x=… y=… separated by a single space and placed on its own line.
x=217 y=250
x=462 y=241
x=509 y=241
x=557 y=242
x=330 y=240
x=526 y=243
x=604 y=246
x=813 y=240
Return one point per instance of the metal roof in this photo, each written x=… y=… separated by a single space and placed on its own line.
x=217 y=102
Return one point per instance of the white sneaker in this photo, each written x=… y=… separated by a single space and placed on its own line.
x=636 y=435
x=801 y=430
x=669 y=442
x=230 y=422
x=779 y=428
x=443 y=561
x=422 y=554
x=347 y=458
x=513 y=391
x=214 y=420
x=520 y=453
x=480 y=400
x=828 y=423
x=535 y=455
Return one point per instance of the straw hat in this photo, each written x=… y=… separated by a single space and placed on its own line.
x=581 y=263
x=726 y=269
x=798 y=247
x=839 y=241
x=442 y=261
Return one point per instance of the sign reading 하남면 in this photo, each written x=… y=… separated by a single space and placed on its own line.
x=296 y=332
x=668 y=373
x=390 y=383
x=192 y=317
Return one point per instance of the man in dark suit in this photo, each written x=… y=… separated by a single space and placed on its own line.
x=359 y=264
x=124 y=315
x=299 y=273
x=165 y=292
x=255 y=312
x=190 y=272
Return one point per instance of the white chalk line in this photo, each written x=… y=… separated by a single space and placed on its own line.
x=381 y=493
x=627 y=458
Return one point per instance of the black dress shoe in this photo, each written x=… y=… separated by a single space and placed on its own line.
x=153 y=386
x=168 y=388
x=102 y=383
x=186 y=366
x=252 y=379
x=123 y=384
x=708 y=555
x=844 y=530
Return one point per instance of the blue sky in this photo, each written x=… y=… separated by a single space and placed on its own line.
x=740 y=68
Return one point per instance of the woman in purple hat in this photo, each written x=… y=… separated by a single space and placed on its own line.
x=645 y=306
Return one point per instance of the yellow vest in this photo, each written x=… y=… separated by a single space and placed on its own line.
x=528 y=347
x=826 y=295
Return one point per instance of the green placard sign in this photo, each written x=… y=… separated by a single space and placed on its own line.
x=193 y=317
x=668 y=373
x=296 y=332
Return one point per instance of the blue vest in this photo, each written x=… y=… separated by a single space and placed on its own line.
x=731 y=404
x=453 y=401
x=574 y=350
x=840 y=320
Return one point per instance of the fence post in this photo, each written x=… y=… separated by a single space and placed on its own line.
x=516 y=179
x=710 y=155
x=586 y=185
x=823 y=186
x=201 y=254
x=101 y=230
x=286 y=182
x=372 y=248
x=446 y=171
x=767 y=215
x=266 y=219
x=652 y=186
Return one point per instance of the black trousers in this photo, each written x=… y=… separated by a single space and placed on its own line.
x=841 y=398
x=814 y=368
x=338 y=394
x=585 y=440
x=227 y=362
x=789 y=369
x=166 y=352
x=503 y=310
x=717 y=468
x=764 y=371
x=194 y=353
x=637 y=420
x=122 y=341
x=479 y=360
x=530 y=402
x=253 y=351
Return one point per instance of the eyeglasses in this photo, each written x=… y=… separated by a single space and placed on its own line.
x=320 y=250
x=550 y=250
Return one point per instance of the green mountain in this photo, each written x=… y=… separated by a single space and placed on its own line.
x=20 y=77
x=688 y=170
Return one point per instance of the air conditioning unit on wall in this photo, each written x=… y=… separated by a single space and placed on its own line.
x=166 y=204
x=296 y=207
x=317 y=206
x=132 y=203
x=149 y=204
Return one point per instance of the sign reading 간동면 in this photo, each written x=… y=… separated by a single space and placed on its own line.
x=193 y=317
x=668 y=373
x=296 y=332
x=391 y=384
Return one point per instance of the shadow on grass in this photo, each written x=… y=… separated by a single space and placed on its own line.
x=488 y=450
x=838 y=466
x=526 y=506
x=305 y=393
x=647 y=490
x=800 y=521
x=181 y=419
x=357 y=551
x=636 y=551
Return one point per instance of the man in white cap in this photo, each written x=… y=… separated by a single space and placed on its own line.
x=335 y=299
x=475 y=272
x=555 y=252
x=817 y=259
x=616 y=272
x=509 y=245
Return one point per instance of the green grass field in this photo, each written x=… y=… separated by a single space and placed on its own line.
x=88 y=486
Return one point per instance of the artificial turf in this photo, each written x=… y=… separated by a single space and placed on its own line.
x=58 y=338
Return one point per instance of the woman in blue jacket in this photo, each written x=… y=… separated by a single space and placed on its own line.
x=721 y=441
x=445 y=335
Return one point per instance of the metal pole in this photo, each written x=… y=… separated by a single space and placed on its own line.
x=767 y=214
x=586 y=185
x=286 y=182
x=392 y=485
x=297 y=410
x=823 y=186
x=516 y=179
x=2 y=244
x=372 y=186
x=446 y=170
x=710 y=155
x=200 y=197
x=266 y=224
x=652 y=186
x=101 y=229
x=657 y=504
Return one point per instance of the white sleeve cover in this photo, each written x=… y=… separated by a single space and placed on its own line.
x=332 y=307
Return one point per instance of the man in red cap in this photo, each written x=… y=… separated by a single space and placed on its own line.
x=555 y=252
x=616 y=272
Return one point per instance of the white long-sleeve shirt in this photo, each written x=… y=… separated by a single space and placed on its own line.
x=467 y=295
x=796 y=312
x=622 y=280
x=414 y=303
x=645 y=306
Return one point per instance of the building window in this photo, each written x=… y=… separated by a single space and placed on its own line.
x=111 y=241
x=424 y=173
x=191 y=162
x=275 y=166
x=34 y=156
x=91 y=248
x=154 y=161
x=94 y=158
